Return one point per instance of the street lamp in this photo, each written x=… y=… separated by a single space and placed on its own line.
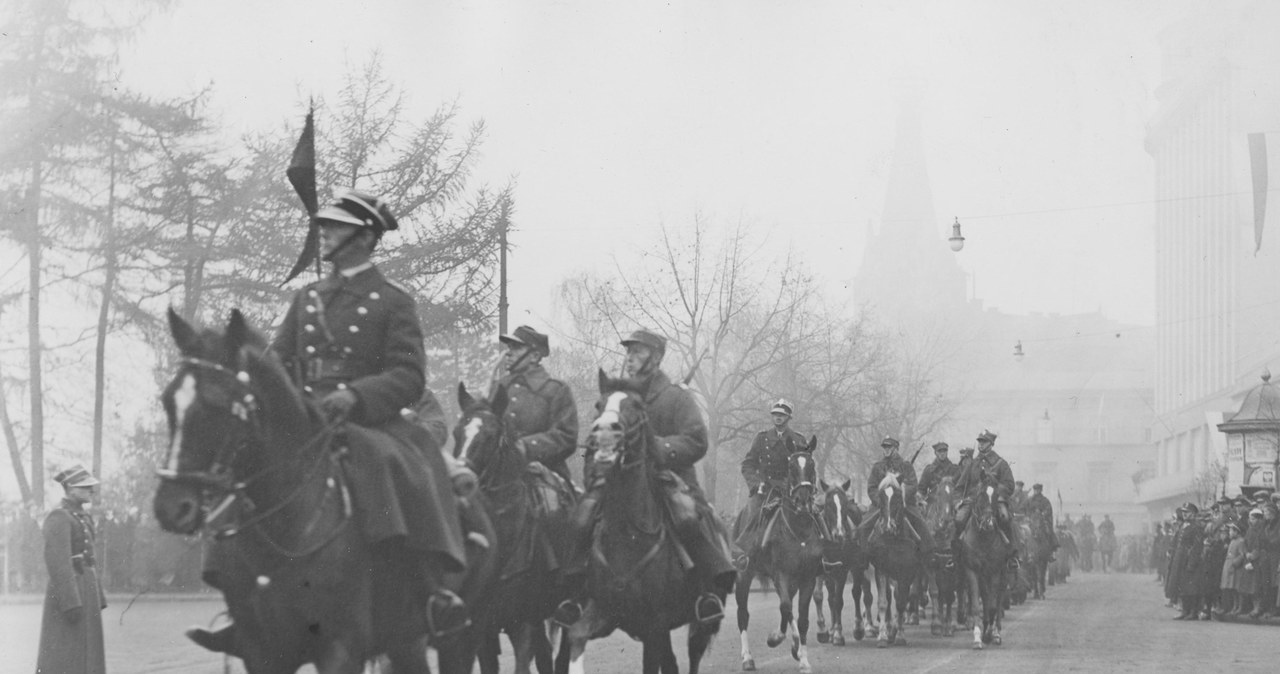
x=956 y=241
x=1017 y=352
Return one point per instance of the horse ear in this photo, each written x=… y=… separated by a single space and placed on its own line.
x=499 y=402
x=844 y=486
x=603 y=380
x=822 y=484
x=813 y=444
x=183 y=334
x=238 y=334
x=465 y=401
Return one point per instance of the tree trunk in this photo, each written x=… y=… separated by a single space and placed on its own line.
x=34 y=349
x=104 y=316
x=11 y=439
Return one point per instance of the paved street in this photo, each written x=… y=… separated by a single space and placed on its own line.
x=1114 y=623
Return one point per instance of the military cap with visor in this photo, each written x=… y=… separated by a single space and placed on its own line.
x=941 y=447
x=652 y=340
x=75 y=476
x=889 y=442
x=781 y=407
x=359 y=209
x=1037 y=487
x=986 y=436
x=527 y=336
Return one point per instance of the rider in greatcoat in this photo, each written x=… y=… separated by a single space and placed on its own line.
x=941 y=467
x=892 y=461
x=681 y=435
x=765 y=469
x=1039 y=503
x=540 y=414
x=989 y=465
x=353 y=343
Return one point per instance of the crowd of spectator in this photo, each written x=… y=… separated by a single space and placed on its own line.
x=1221 y=562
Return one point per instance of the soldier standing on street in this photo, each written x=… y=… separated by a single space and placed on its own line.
x=893 y=462
x=71 y=629
x=541 y=414
x=765 y=469
x=681 y=441
x=353 y=342
x=940 y=468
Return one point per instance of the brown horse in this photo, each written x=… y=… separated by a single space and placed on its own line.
x=250 y=463
x=529 y=539
x=984 y=553
x=791 y=557
x=639 y=577
x=896 y=557
x=1039 y=551
x=945 y=578
x=844 y=561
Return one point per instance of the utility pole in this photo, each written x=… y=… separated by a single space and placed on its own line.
x=503 y=223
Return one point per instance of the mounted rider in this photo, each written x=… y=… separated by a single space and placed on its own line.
x=987 y=465
x=354 y=344
x=892 y=462
x=1040 y=504
x=1018 y=500
x=765 y=471
x=541 y=414
x=681 y=441
x=941 y=467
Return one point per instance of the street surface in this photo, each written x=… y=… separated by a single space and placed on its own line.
x=1096 y=623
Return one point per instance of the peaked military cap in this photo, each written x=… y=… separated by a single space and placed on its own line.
x=1190 y=507
x=75 y=476
x=1261 y=495
x=967 y=451
x=781 y=407
x=941 y=447
x=986 y=436
x=1240 y=500
x=359 y=209
x=647 y=338
x=527 y=336
x=1019 y=482
x=1037 y=487
x=888 y=442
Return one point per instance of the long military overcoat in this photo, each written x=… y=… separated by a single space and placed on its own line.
x=541 y=412
x=70 y=646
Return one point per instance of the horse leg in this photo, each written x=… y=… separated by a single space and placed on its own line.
x=487 y=651
x=882 y=590
x=658 y=657
x=782 y=585
x=903 y=599
x=835 y=590
x=935 y=599
x=574 y=646
x=544 y=634
x=823 y=635
x=411 y=658
x=698 y=641
x=521 y=637
x=972 y=612
x=800 y=647
x=741 y=594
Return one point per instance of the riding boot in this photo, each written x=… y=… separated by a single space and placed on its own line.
x=219 y=641
x=446 y=614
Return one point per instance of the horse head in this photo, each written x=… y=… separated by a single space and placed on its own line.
x=838 y=512
x=227 y=403
x=984 y=511
x=479 y=437
x=802 y=475
x=893 y=501
x=620 y=432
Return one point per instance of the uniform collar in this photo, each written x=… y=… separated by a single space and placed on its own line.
x=72 y=504
x=534 y=375
x=658 y=383
x=351 y=272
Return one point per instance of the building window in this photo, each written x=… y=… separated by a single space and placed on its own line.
x=1099 y=480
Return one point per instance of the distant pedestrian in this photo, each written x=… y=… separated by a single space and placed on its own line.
x=71 y=630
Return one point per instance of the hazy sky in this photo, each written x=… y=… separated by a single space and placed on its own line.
x=614 y=117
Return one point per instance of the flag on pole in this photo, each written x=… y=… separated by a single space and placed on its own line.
x=302 y=175
x=1258 y=165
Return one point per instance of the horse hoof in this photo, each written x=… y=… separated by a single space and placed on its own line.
x=824 y=637
x=882 y=644
x=935 y=630
x=774 y=639
x=749 y=665
x=977 y=645
x=902 y=641
x=795 y=651
x=996 y=640
x=858 y=634
x=837 y=640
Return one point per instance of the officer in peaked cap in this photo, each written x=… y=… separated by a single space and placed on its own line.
x=71 y=628
x=892 y=462
x=353 y=343
x=993 y=467
x=680 y=436
x=941 y=466
x=765 y=470
x=540 y=414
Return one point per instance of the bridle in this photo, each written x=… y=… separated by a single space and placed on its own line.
x=216 y=485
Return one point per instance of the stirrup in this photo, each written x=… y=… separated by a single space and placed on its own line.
x=218 y=641
x=446 y=615
x=567 y=613
x=708 y=609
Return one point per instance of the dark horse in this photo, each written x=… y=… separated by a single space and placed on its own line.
x=945 y=580
x=529 y=538
x=250 y=462
x=844 y=561
x=896 y=557
x=1039 y=551
x=984 y=553
x=790 y=556
x=638 y=577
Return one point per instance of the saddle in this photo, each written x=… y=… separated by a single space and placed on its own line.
x=552 y=495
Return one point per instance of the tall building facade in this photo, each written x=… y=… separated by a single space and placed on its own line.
x=1217 y=297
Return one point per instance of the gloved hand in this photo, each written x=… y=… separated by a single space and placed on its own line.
x=338 y=405
x=74 y=614
x=522 y=448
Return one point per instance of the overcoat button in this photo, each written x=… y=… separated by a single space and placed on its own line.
x=374 y=295
x=354 y=328
x=361 y=310
x=309 y=327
